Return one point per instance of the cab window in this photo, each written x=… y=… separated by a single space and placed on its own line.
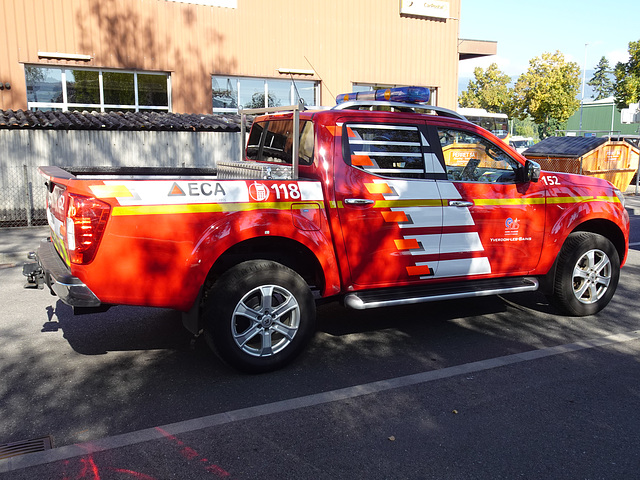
x=272 y=141
x=386 y=150
x=469 y=157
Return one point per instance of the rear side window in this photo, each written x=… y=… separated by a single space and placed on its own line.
x=387 y=150
x=272 y=141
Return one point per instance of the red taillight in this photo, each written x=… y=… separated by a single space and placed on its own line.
x=86 y=221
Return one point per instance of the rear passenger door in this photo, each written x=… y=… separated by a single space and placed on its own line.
x=388 y=202
x=493 y=221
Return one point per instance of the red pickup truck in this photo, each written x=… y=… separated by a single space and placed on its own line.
x=376 y=202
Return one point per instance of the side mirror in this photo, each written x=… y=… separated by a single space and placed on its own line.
x=531 y=171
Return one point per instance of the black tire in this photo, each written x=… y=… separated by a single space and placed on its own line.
x=587 y=274
x=259 y=316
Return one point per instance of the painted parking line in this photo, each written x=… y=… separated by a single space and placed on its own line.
x=157 y=433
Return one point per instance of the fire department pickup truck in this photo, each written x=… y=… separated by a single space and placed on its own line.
x=377 y=202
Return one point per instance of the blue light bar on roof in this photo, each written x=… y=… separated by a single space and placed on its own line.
x=399 y=94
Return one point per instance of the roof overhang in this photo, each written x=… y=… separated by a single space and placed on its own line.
x=476 y=48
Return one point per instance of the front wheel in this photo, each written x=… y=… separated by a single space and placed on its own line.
x=587 y=274
x=259 y=316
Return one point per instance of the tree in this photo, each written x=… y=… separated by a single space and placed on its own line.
x=601 y=80
x=526 y=128
x=626 y=85
x=548 y=91
x=257 y=101
x=489 y=90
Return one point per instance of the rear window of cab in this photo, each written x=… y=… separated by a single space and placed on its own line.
x=272 y=141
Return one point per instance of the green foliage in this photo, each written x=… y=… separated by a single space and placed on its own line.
x=601 y=80
x=626 y=85
x=549 y=129
x=489 y=90
x=257 y=101
x=547 y=91
x=526 y=128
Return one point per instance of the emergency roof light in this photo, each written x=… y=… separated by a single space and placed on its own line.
x=399 y=94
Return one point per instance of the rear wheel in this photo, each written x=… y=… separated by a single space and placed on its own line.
x=587 y=274
x=259 y=316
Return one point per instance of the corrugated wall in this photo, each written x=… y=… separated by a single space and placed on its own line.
x=116 y=148
x=22 y=151
x=598 y=117
x=357 y=41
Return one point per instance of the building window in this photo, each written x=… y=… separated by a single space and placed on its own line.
x=229 y=93
x=211 y=3
x=69 y=89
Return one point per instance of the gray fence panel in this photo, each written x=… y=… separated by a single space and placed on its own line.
x=22 y=197
x=22 y=194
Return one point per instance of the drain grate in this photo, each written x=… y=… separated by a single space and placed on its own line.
x=26 y=446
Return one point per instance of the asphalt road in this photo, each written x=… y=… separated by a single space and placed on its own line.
x=498 y=387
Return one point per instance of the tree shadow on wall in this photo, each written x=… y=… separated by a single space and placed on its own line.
x=179 y=41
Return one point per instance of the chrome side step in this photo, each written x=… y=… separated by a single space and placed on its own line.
x=433 y=293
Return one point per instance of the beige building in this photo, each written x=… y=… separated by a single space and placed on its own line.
x=205 y=56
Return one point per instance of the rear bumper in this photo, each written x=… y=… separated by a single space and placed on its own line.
x=58 y=278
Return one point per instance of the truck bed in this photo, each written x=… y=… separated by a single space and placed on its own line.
x=84 y=172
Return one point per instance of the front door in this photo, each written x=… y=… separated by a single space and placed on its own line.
x=503 y=217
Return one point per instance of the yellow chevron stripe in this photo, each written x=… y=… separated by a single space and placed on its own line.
x=110 y=191
x=558 y=200
x=207 y=208
x=409 y=203
x=509 y=201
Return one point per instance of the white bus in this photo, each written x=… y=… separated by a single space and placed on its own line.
x=496 y=123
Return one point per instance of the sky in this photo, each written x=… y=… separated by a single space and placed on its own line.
x=526 y=29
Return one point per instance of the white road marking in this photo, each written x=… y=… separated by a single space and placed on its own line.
x=157 y=433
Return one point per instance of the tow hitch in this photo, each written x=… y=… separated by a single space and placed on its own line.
x=33 y=272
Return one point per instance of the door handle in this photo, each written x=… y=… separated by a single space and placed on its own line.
x=359 y=201
x=460 y=203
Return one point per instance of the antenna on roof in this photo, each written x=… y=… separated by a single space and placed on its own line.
x=299 y=99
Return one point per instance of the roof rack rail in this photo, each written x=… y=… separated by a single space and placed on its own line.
x=296 y=109
x=358 y=104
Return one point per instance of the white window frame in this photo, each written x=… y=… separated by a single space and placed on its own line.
x=292 y=90
x=65 y=105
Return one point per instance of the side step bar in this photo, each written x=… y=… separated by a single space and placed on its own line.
x=433 y=293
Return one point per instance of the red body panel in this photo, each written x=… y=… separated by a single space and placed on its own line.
x=365 y=230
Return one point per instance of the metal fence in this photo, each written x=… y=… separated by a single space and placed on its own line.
x=22 y=197
x=568 y=165
x=22 y=190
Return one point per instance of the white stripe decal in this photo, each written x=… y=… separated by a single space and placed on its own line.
x=420 y=216
x=414 y=190
x=449 y=191
x=456 y=217
x=432 y=164
x=461 y=242
x=430 y=244
x=182 y=192
x=461 y=267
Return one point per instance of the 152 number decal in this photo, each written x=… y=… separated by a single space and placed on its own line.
x=551 y=180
